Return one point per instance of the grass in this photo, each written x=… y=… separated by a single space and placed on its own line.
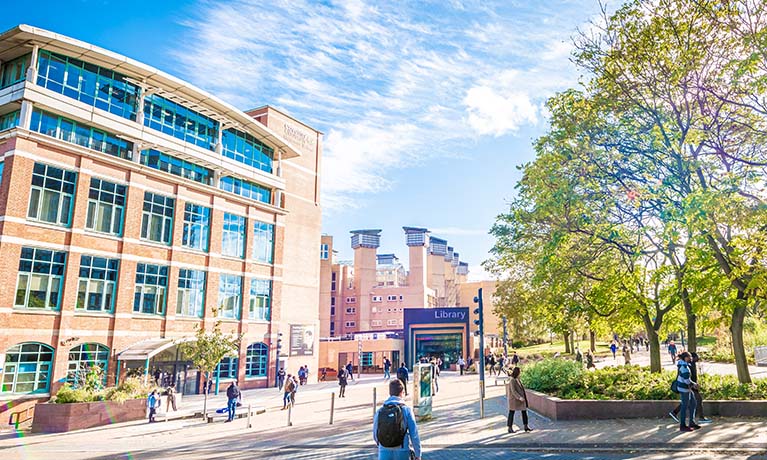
x=602 y=348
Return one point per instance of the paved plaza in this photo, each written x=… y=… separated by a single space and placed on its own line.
x=455 y=432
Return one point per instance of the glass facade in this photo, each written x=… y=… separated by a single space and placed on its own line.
x=14 y=71
x=229 y=296
x=88 y=83
x=176 y=120
x=191 y=293
x=52 y=195
x=27 y=368
x=227 y=368
x=157 y=218
x=97 y=283
x=9 y=120
x=247 y=150
x=40 y=279
x=233 y=236
x=151 y=283
x=82 y=358
x=77 y=133
x=263 y=242
x=106 y=207
x=196 y=227
x=256 y=360
x=246 y=189
x=260 y=300
x=170 y=164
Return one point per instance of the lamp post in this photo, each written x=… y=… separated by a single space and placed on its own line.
x=481 y=333
x=277 y=361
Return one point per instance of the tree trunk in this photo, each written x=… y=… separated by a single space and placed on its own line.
x=205 y=397
x=572 y=342
x=652 y=337
x=567 y=342
x=593 y=341
x=738 y=348
x=692 y=333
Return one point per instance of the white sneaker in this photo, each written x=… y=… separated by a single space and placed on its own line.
x=671 y=414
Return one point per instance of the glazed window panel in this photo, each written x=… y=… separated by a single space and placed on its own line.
x=263 y=242
x=233 y=236
x=256 y=360
x=14 y=71
x=9 y=120
x=52 y=195
x=27 y=368
x=106 y=207
x=157 y=218
x=246 y=189
x=260 y=300
x=84 y=357
x=97 y=283
x=246 y=149
x=151 y=285
x=40 y=278
x=191 y=293
x=196 y=227
x=227 y=368
x=166 y=116
x=176 y=166
x=229 y=296
x=80 y=134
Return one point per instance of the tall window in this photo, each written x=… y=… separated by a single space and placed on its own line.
x=77 y=133
x=324 y=251
x=229 y=296
x=52 y=194
x=9 y=120
x=14 y=71
x=247 y=189
x=176 y=166
x=227 y=368
x=82 y=358
x=151 y=283
x=106 y=206
x=97 y=284
x=88 y=83
x=191 y=293
x=233 y=237
x=333 y=281
x=263 y=242
x=196 y=227
x=247 y=149
x=260 y=300
x=157 y=218
x=176 y=120
x=41 y=275
x=27 y=368
x=256 y=360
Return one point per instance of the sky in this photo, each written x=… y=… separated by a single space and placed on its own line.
x=428 y=107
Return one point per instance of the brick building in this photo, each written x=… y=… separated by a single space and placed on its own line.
x=134 y=208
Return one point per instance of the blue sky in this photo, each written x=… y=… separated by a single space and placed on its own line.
x=428 y=107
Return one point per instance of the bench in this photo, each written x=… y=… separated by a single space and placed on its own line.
x=242 y=412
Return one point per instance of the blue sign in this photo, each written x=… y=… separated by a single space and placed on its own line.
x=451 y=320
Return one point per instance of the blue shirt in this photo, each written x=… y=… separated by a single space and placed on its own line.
x=411 y=437
x=683 y=381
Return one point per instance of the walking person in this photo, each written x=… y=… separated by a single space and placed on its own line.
x=590 y=360
x=515 y=359
x=152 y=402
x=171 y=393
x=395 y=429
x=685 y=385
x=280 y=378
x=232 y=395
x=350 y=370
x=614 y=349
x=461 y=364
x=626 y=355
x=517 y=400
x=695 y=391
x=288 y=392
x=387 y=368
x=342 y=382
x=672 y=350
x=402 y=376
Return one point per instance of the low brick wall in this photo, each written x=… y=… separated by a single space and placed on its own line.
x=57 y=418
x=590 y=409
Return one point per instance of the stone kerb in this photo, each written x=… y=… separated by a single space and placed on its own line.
x=590 y=409
x=57 y=418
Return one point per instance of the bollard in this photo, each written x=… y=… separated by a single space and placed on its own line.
x=481 y=399
x=374 y=403
x=332 y=405
x=290 y=410
x=249 y=425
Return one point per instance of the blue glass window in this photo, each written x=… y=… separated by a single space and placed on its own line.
x=41 y=276
x=191 y=293
x=52 y=194
x=246 y=189
x=97 y=283
x=80 y=134
x=151 y=284
x=229 y=296
x=9 y=120
x=227 y=368
x=263 y=242
x=157 y=218
x=106 y=207
x=176 y=120
x=256 y=360
x=233 y=236
x=176 y=166
x=247 y=150
x=27 y=368
x=196 y=227
x=88 y=83
x=82 y=358
x=260 y=300
x=14 y=71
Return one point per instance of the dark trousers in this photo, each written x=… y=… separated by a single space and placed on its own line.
x=510 y=420
x=342 y=391
x=404 y=383
x=698 y=405
x=152 y=411
x=462 y=369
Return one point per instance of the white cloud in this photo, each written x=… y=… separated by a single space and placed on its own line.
x=458 y=231
x=478 y=273
x=392 y=84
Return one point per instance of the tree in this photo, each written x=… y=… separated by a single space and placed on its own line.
x=208 y=349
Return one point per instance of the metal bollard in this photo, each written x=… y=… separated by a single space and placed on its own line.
x=290 y=411
x=249 y=412
x=332 y=405
x=374 y=402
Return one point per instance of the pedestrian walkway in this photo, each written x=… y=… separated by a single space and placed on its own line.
x=642 y=358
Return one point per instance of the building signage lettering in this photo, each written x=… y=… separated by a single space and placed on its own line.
x=440 y=314
x=298 y=137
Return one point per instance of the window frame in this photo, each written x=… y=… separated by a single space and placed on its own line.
x=240 y=222
x=37 y=372
x=33 y=263
x=98 y=205
x=161 y=289
x=189 y=277
x=112 y=266
x=40 y=173
x=194 y=210
x=256 y=359
x=148 y=217
x=263 y=242
x=226 y=281
x=260 y=290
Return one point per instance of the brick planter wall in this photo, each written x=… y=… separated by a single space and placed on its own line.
x=578 y=409
x=57 y=418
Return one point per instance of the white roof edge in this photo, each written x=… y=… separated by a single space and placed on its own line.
x=146 y=71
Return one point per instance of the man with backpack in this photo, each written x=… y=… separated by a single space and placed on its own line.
x=402 y=376
x=342 y=382
x=394 y=427
x=232 y=394
x=387 y=368
x=288 y=391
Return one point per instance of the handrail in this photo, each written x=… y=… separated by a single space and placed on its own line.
x=29 y=413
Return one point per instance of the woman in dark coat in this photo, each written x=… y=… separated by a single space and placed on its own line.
x=517 y=400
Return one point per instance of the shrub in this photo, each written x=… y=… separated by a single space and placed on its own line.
x=552 y=375
x=130 y=388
